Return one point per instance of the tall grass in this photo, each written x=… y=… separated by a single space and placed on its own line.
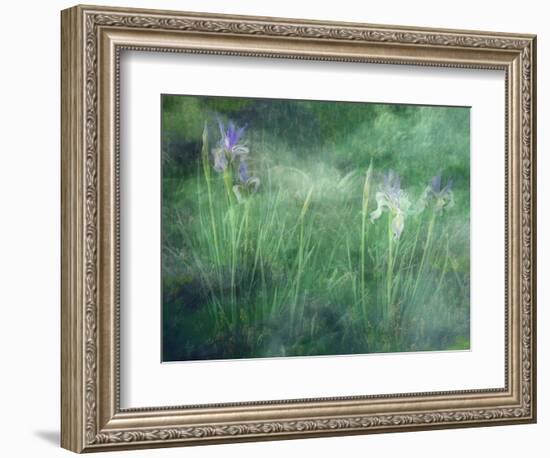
x=299 y=267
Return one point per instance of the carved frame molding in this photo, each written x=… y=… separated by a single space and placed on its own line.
x=92 y=39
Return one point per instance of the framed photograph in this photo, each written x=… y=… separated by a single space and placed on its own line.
x=278 y=228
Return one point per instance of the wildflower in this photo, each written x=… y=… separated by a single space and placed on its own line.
x=230 y=146
x=243 y=172
x=229 y=158
x=247 y=183
x=393 y=199
x=441 y=198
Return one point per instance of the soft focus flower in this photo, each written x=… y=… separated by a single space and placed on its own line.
x=439 y=197
x=393 y=199
x=231 y=155
x=230 y=146
x=243 y=172
x=246 y=184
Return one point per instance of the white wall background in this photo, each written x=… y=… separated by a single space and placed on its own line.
x=29 y=226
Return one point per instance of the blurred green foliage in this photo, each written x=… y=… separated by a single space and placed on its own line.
x=404 y=137
x=296 y=147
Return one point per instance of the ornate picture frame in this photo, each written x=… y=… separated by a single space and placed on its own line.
x=93 y=39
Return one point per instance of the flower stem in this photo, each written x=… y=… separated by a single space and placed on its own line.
x=301 y=258
x=389 y=276
x=366 y=192
x=424 y=255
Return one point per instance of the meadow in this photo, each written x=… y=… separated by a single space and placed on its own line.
x=303 y=228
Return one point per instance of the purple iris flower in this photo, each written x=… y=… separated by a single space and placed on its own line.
x=230 y=146
x=248 y=184
x=232 y=135
x=440 y=197
x=436 y=185
x=230 y=139
x=231 y=155
x=243 y=172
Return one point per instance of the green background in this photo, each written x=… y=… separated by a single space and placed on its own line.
x=300 y=274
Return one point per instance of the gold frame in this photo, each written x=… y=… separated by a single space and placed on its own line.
x=92 y=39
